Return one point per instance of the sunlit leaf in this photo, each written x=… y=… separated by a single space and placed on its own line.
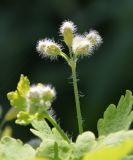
x=116 y=119
x=116 y=152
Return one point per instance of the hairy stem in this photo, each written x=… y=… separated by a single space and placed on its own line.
x=79 y=116
x=53 y=122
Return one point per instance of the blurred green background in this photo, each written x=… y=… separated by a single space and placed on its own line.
x=103 y=77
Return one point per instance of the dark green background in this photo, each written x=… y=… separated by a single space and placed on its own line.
x=103 y=77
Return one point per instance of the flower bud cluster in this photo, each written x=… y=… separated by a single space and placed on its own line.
x=79 y=45
x=40 y=96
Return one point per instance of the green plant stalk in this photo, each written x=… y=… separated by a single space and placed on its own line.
x=79 y=116
x=53 y=122
x=1 y=125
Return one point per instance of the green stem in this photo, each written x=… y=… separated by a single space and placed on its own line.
x=63 y=55
x=1 y=125
x=70 y=52
x=53 y=122
x=79 y=116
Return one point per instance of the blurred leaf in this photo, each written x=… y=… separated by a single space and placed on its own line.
x=84 y=143
x=106 y=152
x=1 y=111
x=7 y=131
x=128 y=158
x=53 y=146
x=24 y=118
x=11 y=114
x=118 y=144
x=11 y=149
x=41 y=129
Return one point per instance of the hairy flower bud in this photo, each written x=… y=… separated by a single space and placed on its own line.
x=39 y=96
x=94 y=38
x=48 y=47
x=67 y=29
x=80 y=46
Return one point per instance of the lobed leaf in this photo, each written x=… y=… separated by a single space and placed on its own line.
x=17 y=98
x=11 y=149
x=83 y=144
x=117 y=119
x=53 y=146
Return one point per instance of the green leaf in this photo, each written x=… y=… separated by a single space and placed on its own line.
x=114 y=138
x=116 y=152
x=24 y=118
x=83 y=145
x=23 y=85
x=52 y=150
x=17 y=98
x=118 y=144
x=11 y=114
x=128 y=158
x=7 y=132
x=11 y=149
x=41 y=129
x=53 y=146
x=117 y=119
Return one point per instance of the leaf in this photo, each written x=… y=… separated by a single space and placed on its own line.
x=114 y=138
x=106 y=152
x=117 y=119
x=11 y=114
x=128 y=158
x=41 y=129
x=17 y=98
x=53 y=145
x=83 y=145
x=7 y=131
x=38 y=158
x=47 y=149
x=11 y=149
x=24 y=118
x=53 y=150
x=118 y=144
x=23 y=85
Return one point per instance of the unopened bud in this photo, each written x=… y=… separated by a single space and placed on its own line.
x=48 y=47
x=67 y=29
x=94 y=38
x=80 y=46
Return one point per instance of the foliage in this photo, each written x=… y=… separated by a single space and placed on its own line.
x=11 y=149
x=32 y=103
x=119 y=118
x=117 y=141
